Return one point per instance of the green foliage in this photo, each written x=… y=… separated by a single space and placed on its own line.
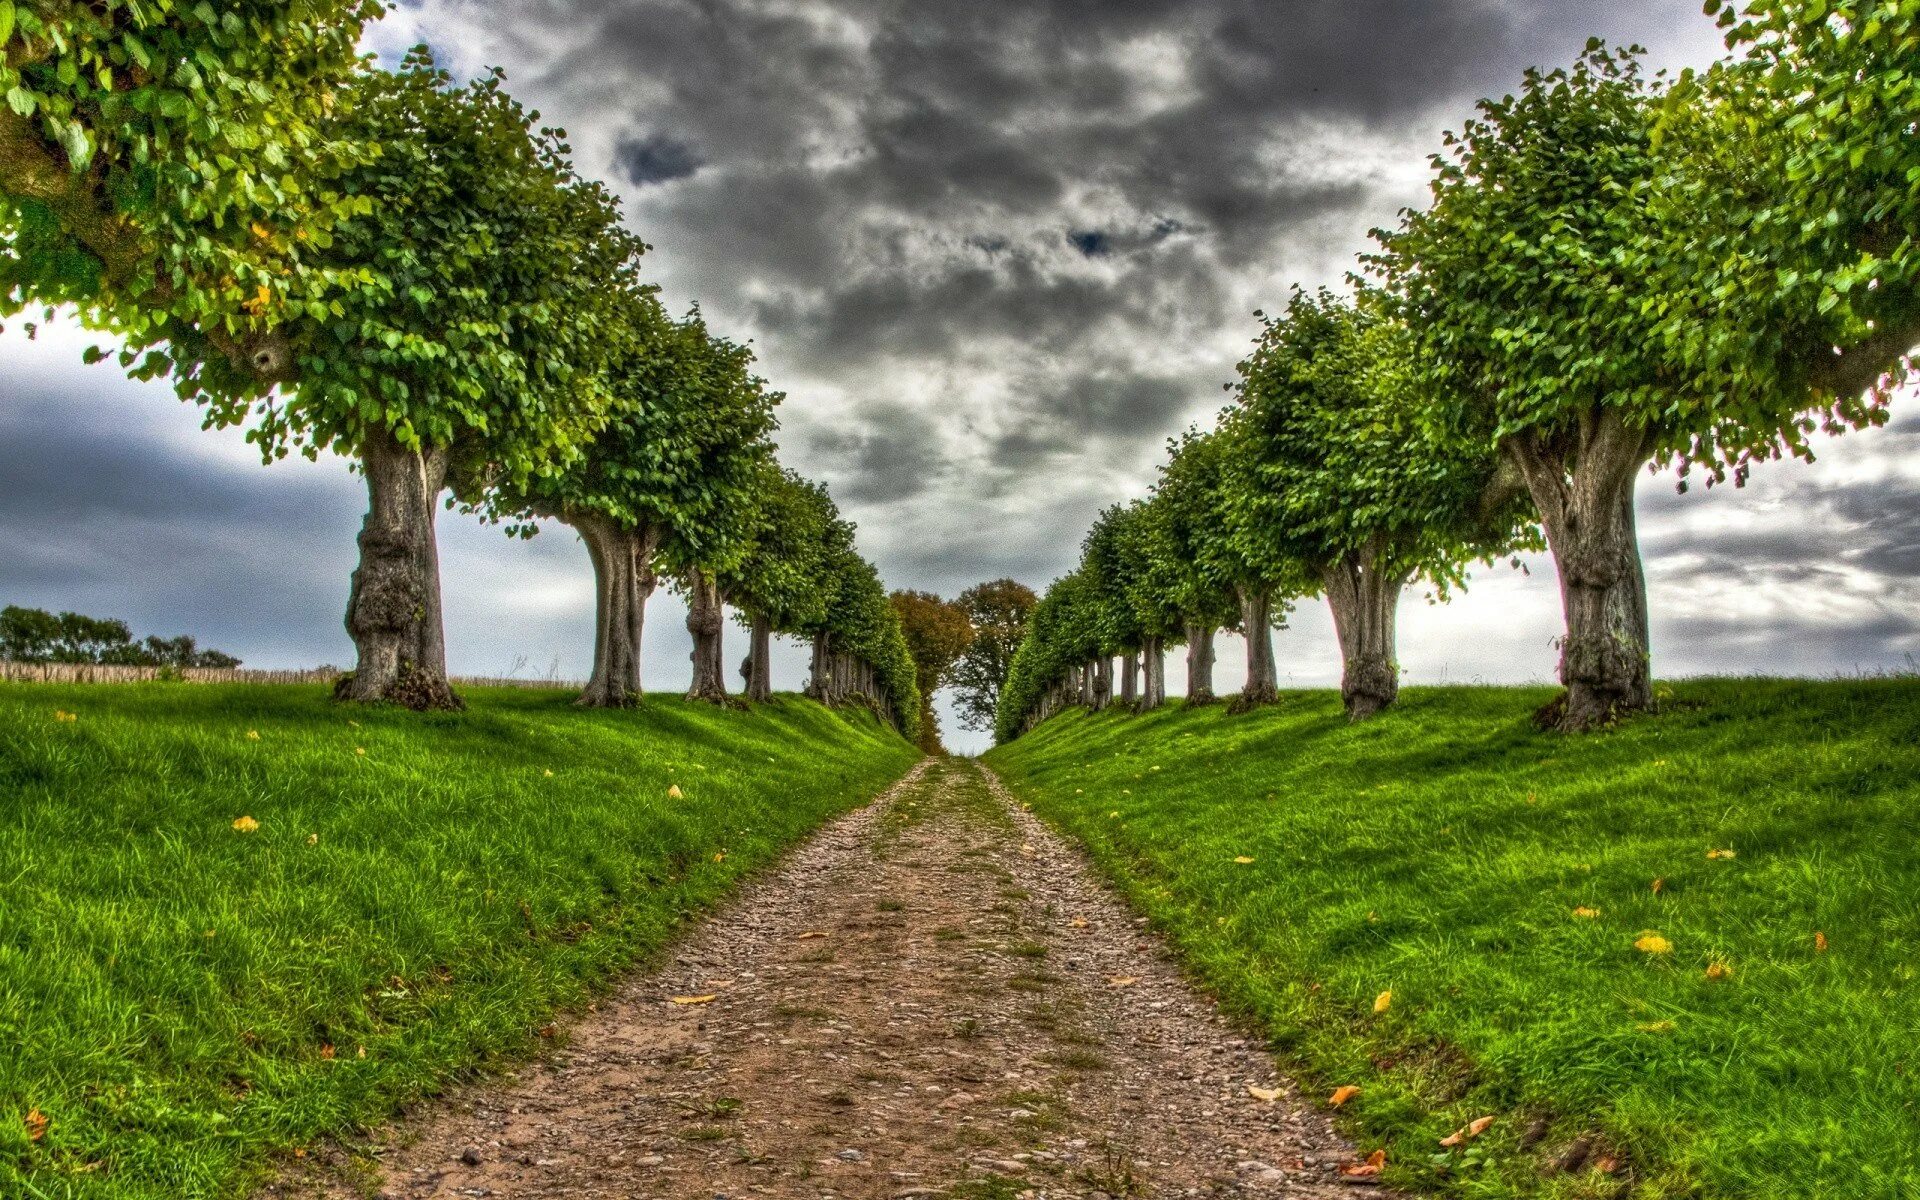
x=34 y=635
x=1108 y=557
x=1439 y=852
x=498 y=282
x=1343 y=459
x=792 y=548
x=174 y=985
x=145 y=143
x=861 y=622
x=999 y=611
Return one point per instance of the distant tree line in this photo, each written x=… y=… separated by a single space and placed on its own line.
x=409 y=270
x=34 y=635
x=1616 y=275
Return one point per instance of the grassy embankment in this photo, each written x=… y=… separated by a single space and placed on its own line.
x=181 y=997
x=1559 y=935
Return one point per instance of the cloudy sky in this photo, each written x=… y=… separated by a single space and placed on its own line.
x=995 y=252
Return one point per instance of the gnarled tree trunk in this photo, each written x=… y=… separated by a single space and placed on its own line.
x=1102 y=682
x=1364 y=594
x=623 y=581
x=393 y=610
x=1153 y=658
x=706 y=621
x=1582 y=485
x=1130 y=679
x=760 y=660
x=1256 y=622
x=1200 y=664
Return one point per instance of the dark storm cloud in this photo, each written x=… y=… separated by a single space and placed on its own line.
x=655 y=158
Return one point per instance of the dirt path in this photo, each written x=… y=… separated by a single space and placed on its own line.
x=932 y=997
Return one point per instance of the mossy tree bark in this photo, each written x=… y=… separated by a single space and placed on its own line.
x=393 y=610
x=1364 y=594
x=623 y=578
x=706 y=621
x=1200 y=664
x=1256 y=623
x=1582 y=483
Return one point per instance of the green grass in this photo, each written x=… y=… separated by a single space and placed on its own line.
x=181 y=999
x=1439 y=852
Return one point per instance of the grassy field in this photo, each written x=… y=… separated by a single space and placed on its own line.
x=1693 y=940
x=236 y=918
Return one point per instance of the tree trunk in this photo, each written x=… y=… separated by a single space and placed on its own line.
x=1256 y=622
x=1087 y=696
x=1102 y=682
x=623 y=580
x=1583 y=490
x=1153 y=659
x=1365 y=597
x=760 y=660
x=393 y=610
x=706 y=622
x=1200 y=664
x=1130 y=679
x=818 y=669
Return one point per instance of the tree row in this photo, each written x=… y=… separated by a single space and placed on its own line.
x=1616 y=275
x=408 y=270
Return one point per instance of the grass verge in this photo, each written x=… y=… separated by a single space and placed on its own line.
x=1688 y=945
x=405 y=898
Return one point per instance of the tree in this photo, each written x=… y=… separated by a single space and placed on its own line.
x=1106 y=561
x=938 y=632
x=1185 y=564
x=34 y=635
x=859 y=648
x=781 y=586
x=1789 y=277
x=1354 y=485
x=999 y=611
x=1536 y=289
x=161 y=162
x=470 y=362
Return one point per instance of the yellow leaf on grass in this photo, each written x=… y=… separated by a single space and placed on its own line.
x=1367 y=1169
x=245 y=824
x=63 y=715
x=674 y=793
x=1819 y=942
x=1478 y=1126
x=1586 y=913
x=1652 y=943
x=548 y=773
x=1719 y=854
x=253 y=735
x=1656 y=1027
x=1242 y=859
x=1718 y=970
x=37 y=1123
x=709 y=998
x=1383 y=1002
x=1260 y=1093
x=1455 y=1138
x=1342 y=1094
x=360 y=751
x=313 y=839
x=1657 y=885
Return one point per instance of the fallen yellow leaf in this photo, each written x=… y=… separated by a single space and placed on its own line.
x=1819 y=942
x=1078 y=922
x=245 y=824
x=313 y=839
x=360 y=750
x=1260 y=1093
x=1367 y=1169
x=1653 y=943
x=706 y=999
x=1657 y=885
x=253 y=735
x=1719 y=854
x=1342 y=1094
x=1455 y=1138
x=1383 y=1002
x=1122 y=980
x=63 y=715
x=1656 y=1027
x=1586 y=913
x=1718 y=970
x=1478 y=1126
x=1242 y=859
x=674 y=793
x=548 y=773
x=719 y=856
x=37 y=1123
x=811 y=933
